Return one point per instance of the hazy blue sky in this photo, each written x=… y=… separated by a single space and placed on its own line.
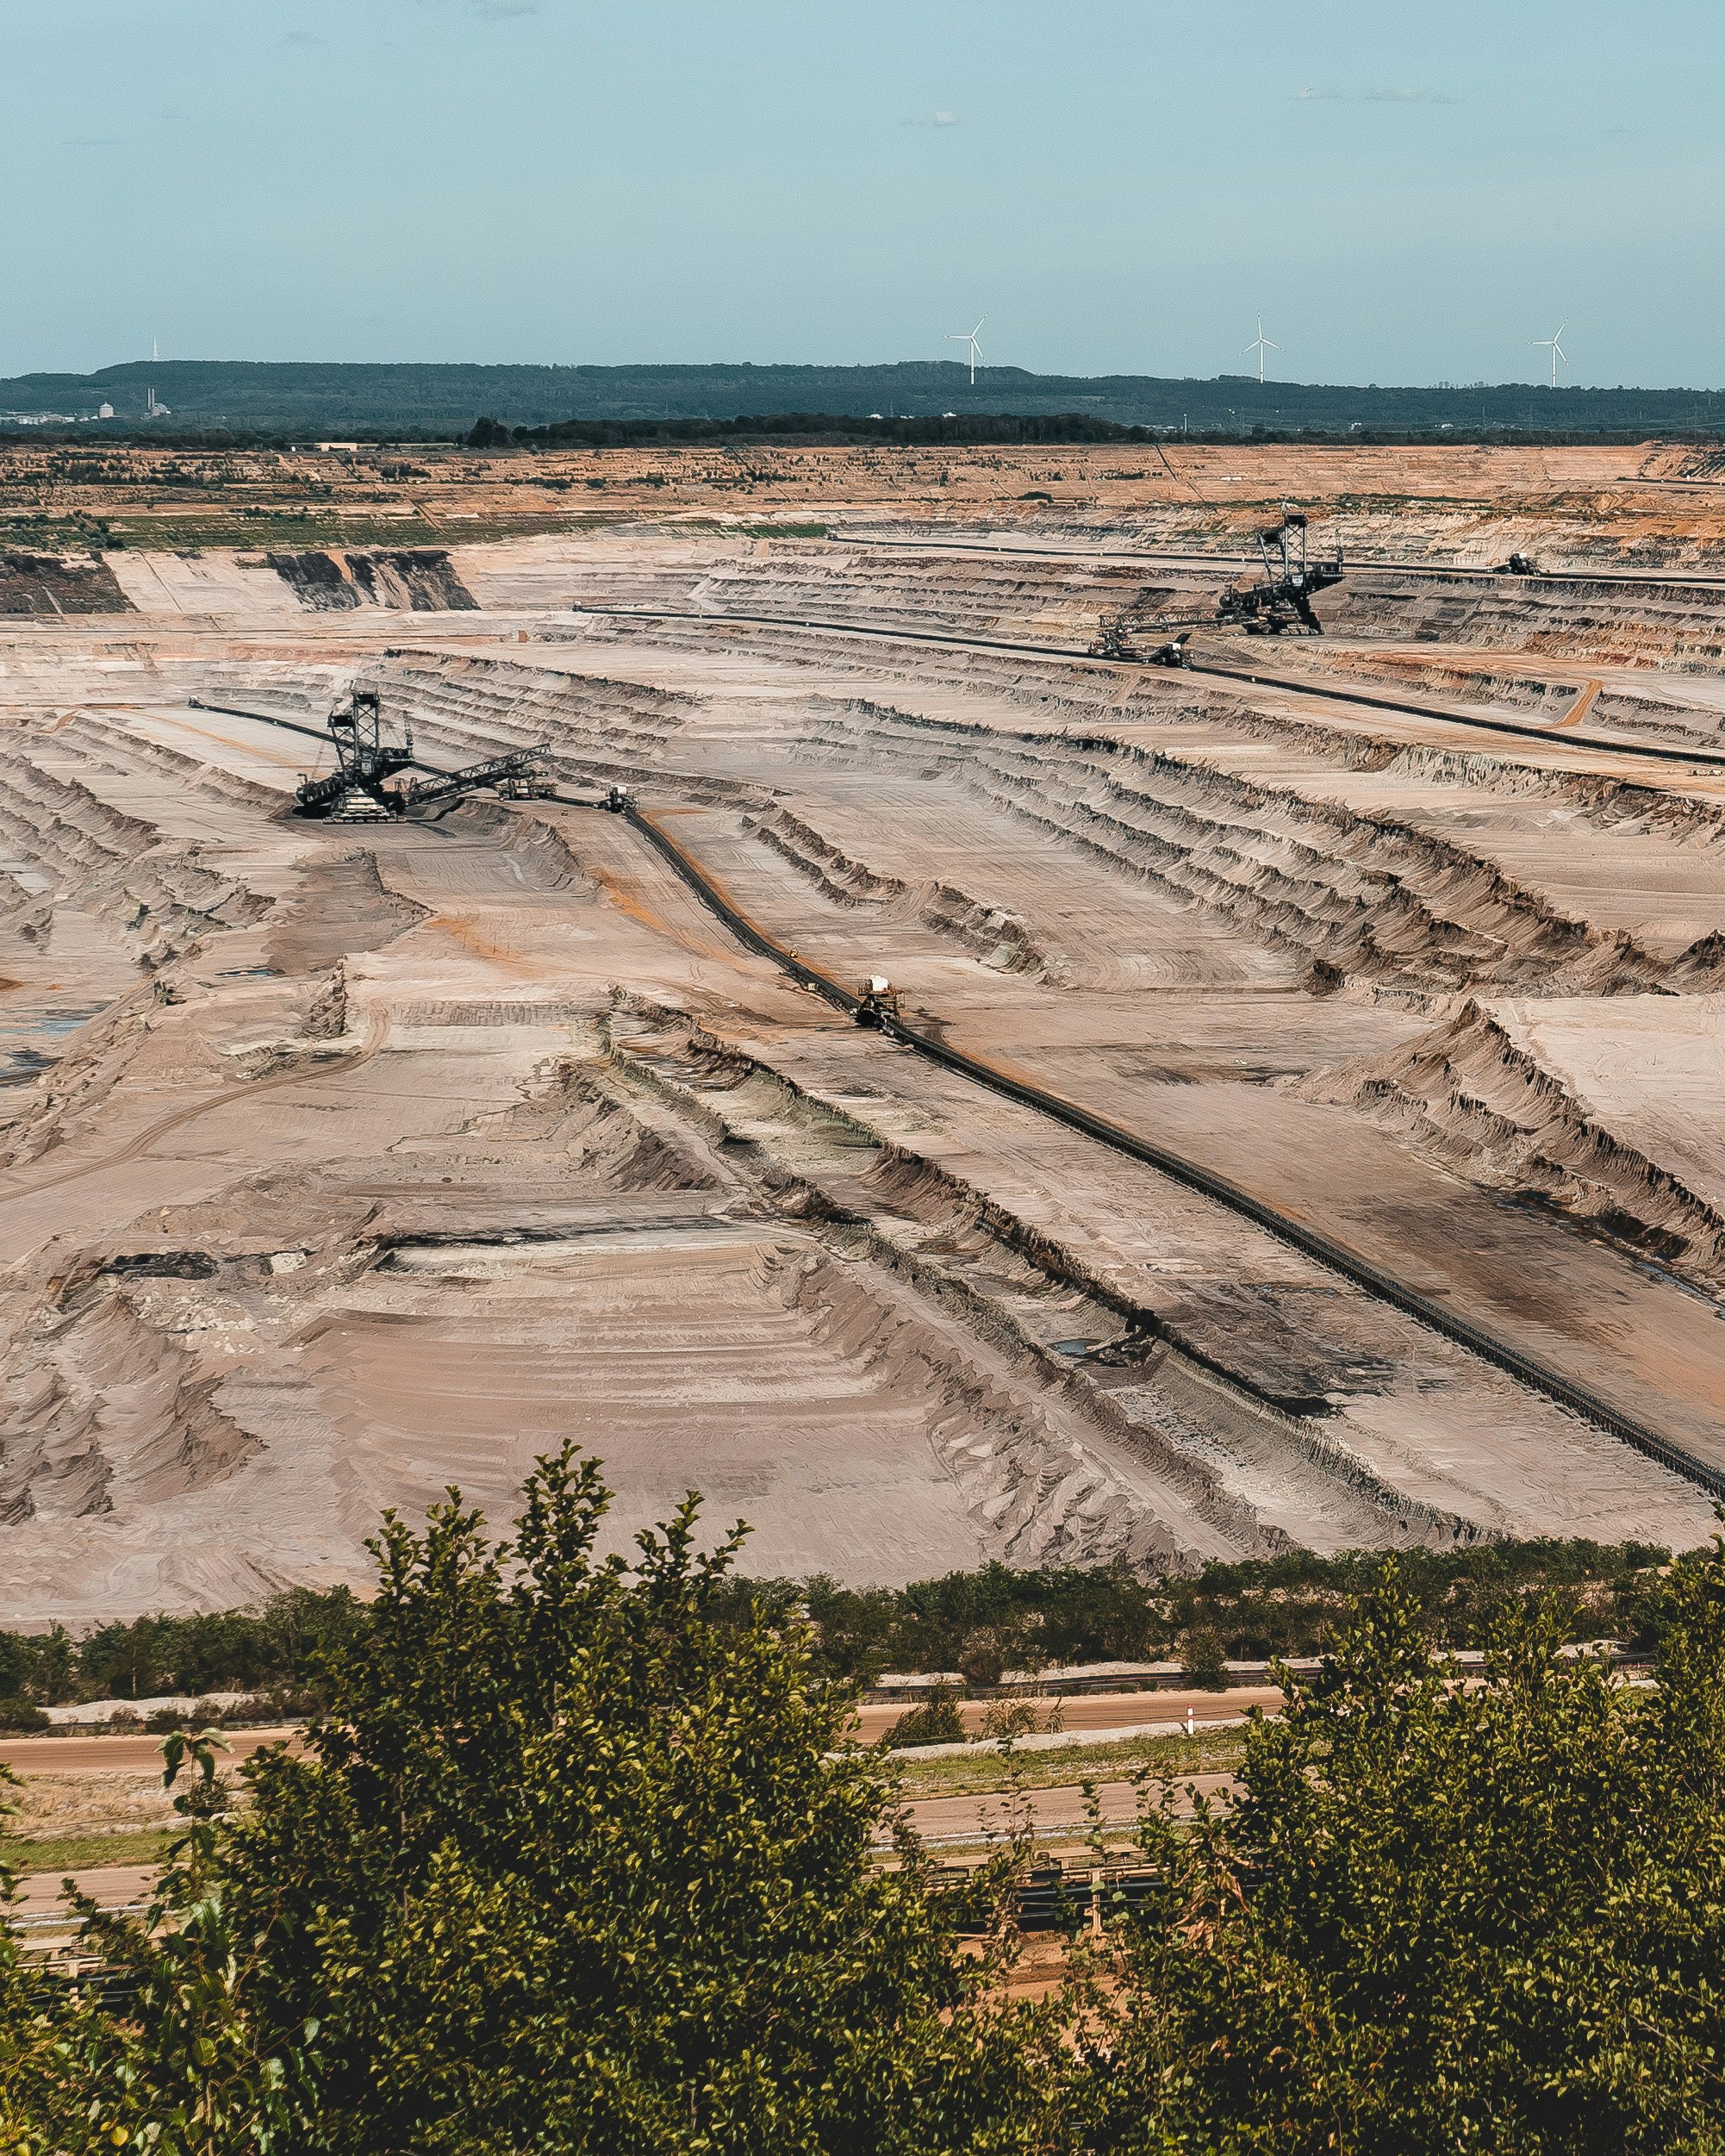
x=1407 y=194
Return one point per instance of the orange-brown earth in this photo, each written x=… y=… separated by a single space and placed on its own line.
x=344 y=1162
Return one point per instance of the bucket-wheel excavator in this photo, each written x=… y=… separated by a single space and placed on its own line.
x=1281 y=601
x=367 y=785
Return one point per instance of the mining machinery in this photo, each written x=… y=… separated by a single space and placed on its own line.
x=1117 y=636
x=357 y=791
x=1137 y=635
x=534 y=785
x=517 y=776
x=1282 y=600
x=878 y=1005
x=360 y=789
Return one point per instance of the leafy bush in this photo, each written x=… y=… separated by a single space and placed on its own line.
x=1202 y=1659
x=570 y=1867
x=935 y=1720
x=22 y=1714
x=1009 y=1718
x=1441 y=1916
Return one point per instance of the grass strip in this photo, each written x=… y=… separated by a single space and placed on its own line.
x=1210 y=1752
x=88 y=1852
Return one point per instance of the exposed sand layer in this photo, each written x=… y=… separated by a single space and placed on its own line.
x=338 y=1164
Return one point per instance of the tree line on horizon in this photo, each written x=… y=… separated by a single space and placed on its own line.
x=299 y=400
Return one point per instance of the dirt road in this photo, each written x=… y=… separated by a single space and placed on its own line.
x=118 y=1755
x=1053 y=1813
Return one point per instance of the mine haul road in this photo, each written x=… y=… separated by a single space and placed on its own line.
x=1528 y=1369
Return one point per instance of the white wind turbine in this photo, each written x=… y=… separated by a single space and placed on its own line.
x=968 y=336
x=1262 y=343
x=1542 y=344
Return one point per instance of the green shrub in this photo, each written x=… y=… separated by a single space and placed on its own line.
x=1203 y=1660
x=935 y=1720
x=570 y=1867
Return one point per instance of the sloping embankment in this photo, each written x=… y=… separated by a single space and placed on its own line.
x=1475 y=1097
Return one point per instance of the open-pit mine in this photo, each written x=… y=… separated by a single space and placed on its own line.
x=1286 y=1110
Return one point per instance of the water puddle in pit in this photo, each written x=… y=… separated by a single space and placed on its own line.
x=22 y=1061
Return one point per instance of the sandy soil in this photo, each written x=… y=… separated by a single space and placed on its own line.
x=342 y=1163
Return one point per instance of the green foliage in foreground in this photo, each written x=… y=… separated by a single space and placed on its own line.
x=568 y=1867
x=1446 y=1919
x=572 y=1866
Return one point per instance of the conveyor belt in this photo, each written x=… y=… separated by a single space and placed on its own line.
x=1711 y=759
x=1526 y=1369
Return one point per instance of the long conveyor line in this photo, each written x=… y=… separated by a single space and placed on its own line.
x=1712 y=759
x=1336 y=1256
x=1526 y=1369
x=1174 y=558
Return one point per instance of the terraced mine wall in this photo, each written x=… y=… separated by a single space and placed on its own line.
x=1061 y=602
x=347 y=1163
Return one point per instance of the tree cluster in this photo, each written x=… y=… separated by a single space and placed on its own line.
x=577 y=1862
x=279 y=1645
x=991 y=427
x=979 y=1625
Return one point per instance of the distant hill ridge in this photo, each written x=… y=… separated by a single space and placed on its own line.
x=293 y=397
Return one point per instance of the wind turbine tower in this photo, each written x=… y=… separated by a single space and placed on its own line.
x=968 y=336
x=1551 y=343
x=1261 y=344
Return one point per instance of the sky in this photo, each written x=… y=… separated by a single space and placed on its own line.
x=1405 y=194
